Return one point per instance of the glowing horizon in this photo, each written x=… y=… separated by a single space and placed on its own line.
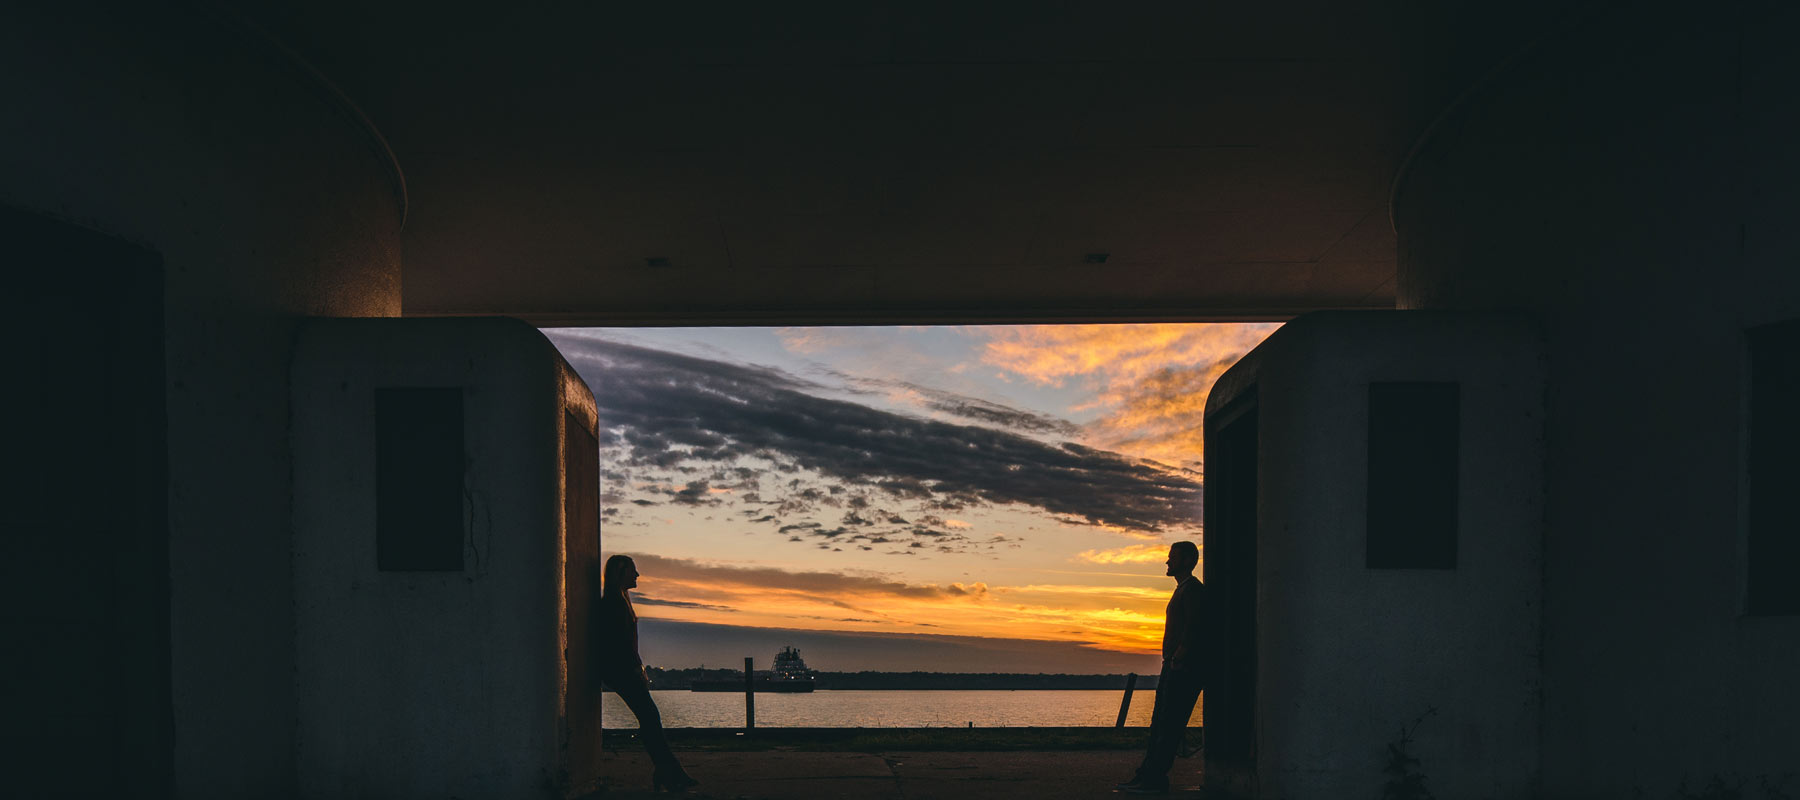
x=1004 y=482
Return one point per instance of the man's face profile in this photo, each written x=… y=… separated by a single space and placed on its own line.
x=1177 y=564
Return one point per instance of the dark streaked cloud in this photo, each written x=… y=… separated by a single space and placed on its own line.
x=641 y=600
x=982 y=411
x=663 y=410
x=670 y=643
x=696 y=493
x=827 y=586
x=961 y=405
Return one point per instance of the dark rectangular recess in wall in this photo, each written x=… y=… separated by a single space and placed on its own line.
x=1229 y=570
x=1413 y=483
x=419 y=479
x=1773 y=549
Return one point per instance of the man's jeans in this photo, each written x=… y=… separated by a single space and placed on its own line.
x=1175 y=696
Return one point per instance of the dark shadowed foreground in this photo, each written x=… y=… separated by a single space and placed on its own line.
x=909 y=763
x=896 y=774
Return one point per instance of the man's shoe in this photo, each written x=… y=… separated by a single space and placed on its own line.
x=1137 y=779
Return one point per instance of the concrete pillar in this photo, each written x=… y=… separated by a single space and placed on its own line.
x=416 y=676
x=1346 y=650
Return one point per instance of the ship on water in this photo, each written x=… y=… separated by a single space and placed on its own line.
x=788 y=675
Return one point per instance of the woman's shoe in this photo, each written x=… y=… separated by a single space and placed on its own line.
x=677 y=781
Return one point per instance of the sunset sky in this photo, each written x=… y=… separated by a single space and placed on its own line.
x=973 y=498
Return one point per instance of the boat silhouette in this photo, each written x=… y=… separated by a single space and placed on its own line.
x=789 y=674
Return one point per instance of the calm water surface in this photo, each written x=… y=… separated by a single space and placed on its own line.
x=851 y=708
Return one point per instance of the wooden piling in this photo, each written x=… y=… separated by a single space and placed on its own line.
x=1125 y=702
x=750 y=693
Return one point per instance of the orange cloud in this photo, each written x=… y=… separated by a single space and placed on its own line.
x=1129 y=554
x=1151 y=380
x=807 y=340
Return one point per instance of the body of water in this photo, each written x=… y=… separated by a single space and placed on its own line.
x=886 y=708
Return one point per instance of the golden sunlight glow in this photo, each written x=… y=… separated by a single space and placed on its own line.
x=1129 y=554
x=1151 y=380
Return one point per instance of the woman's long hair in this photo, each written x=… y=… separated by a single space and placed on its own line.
x=613 y=579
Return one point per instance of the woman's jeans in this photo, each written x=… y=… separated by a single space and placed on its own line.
x=636 y=694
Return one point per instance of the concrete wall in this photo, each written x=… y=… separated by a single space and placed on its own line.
x=1348 y=655
x=433 y=684
x=1634 y=182
x=185 y=134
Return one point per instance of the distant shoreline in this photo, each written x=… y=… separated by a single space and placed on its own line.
x=1139 y=687
x=678 y=679
x=859 y=740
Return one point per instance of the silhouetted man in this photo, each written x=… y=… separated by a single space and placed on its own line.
x=1183 y=672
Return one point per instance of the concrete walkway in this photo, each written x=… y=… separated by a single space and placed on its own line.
x=895 y=776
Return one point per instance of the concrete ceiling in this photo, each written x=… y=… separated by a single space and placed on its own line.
x=896 y=161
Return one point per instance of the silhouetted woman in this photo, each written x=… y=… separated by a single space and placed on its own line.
x=623 y=671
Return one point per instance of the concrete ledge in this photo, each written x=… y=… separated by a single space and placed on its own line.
x=896 y=774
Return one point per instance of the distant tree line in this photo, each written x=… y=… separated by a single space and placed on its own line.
x=683 y=678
